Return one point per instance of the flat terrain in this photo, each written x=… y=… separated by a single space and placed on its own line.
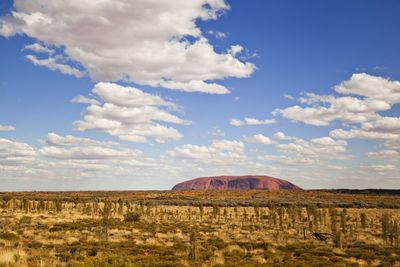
x=200 y=228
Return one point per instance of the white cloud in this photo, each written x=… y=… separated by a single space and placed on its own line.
x=130 y=114
x=381 y=168
x=258 y=139
x=65 y=159
x=56 y=140
x=71 y=147
x=368 y=95
x=10 y=148
x=39 y=48
x=69 y=157
x=51 y=63
x=251 y=121
x=218 y=152
x=383 y=125
x=217 y=34
x=361 y=134
x=216 y=131
x=372 y=87
x=289 y=97
x=393 y=144
x=140 y=41
x=84 y=100
x=282 y=136
x=358 y=111
x=326 y=109
x=235 y=49
x=15 y=153
x=385 y=154
x=335 y=167
x=7 y=128
x=317 y=148
x=287 y=160
x=194 y=86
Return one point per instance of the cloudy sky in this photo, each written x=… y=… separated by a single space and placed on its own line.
x=142 y=94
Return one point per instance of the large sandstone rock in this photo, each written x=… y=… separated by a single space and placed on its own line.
x=235 y=182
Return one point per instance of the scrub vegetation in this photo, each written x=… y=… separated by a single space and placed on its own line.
x=200 y=228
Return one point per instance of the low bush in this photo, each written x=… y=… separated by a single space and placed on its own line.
x=132 y=217
x=8 y=236
x=25 y=220
x=34 y=245
x=91 y=252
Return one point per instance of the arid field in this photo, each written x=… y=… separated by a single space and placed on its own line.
x=200 y=228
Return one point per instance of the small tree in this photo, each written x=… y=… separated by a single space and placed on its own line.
x=201 y=209
x=333 y=215
x=120 y=207
x=343 y=221
x=193 y=248
x=215 y=212
x=385 y=221
x=106 y=218
x=257 y=211
x=337 y=239
x=363 y=220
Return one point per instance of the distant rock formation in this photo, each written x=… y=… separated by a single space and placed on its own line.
x=246 y=182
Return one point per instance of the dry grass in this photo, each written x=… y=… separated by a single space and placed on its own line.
x=12 y=257
x=87 y=233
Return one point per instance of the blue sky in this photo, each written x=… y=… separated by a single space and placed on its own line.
x=142 y=95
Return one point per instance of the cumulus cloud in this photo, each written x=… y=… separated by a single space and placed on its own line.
x=38 y=48
x=316 y=148
x=56 y=140
x=53 y=64
x=251 y=121
x=371 y=87
x=218 y=152
x=129 y=113
x=216 y=131
x=258 y=139
x=393 y=144
x=154 y=43
x=386 y=129
x=15 y=153
x=85 y=100
x=289 y=97
x=66 y=156
x=313 y=160
x=368 y=95
x=217 y=34
x=326 y=109
x=287 y=160
x=235 y=49
x=70 y=156
x=361 y=134
x=381 y=168
x=282 y=136
x=7 y=128
x=358 y=108
x=75 y=148
x=383 y=125
x=385 y=154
